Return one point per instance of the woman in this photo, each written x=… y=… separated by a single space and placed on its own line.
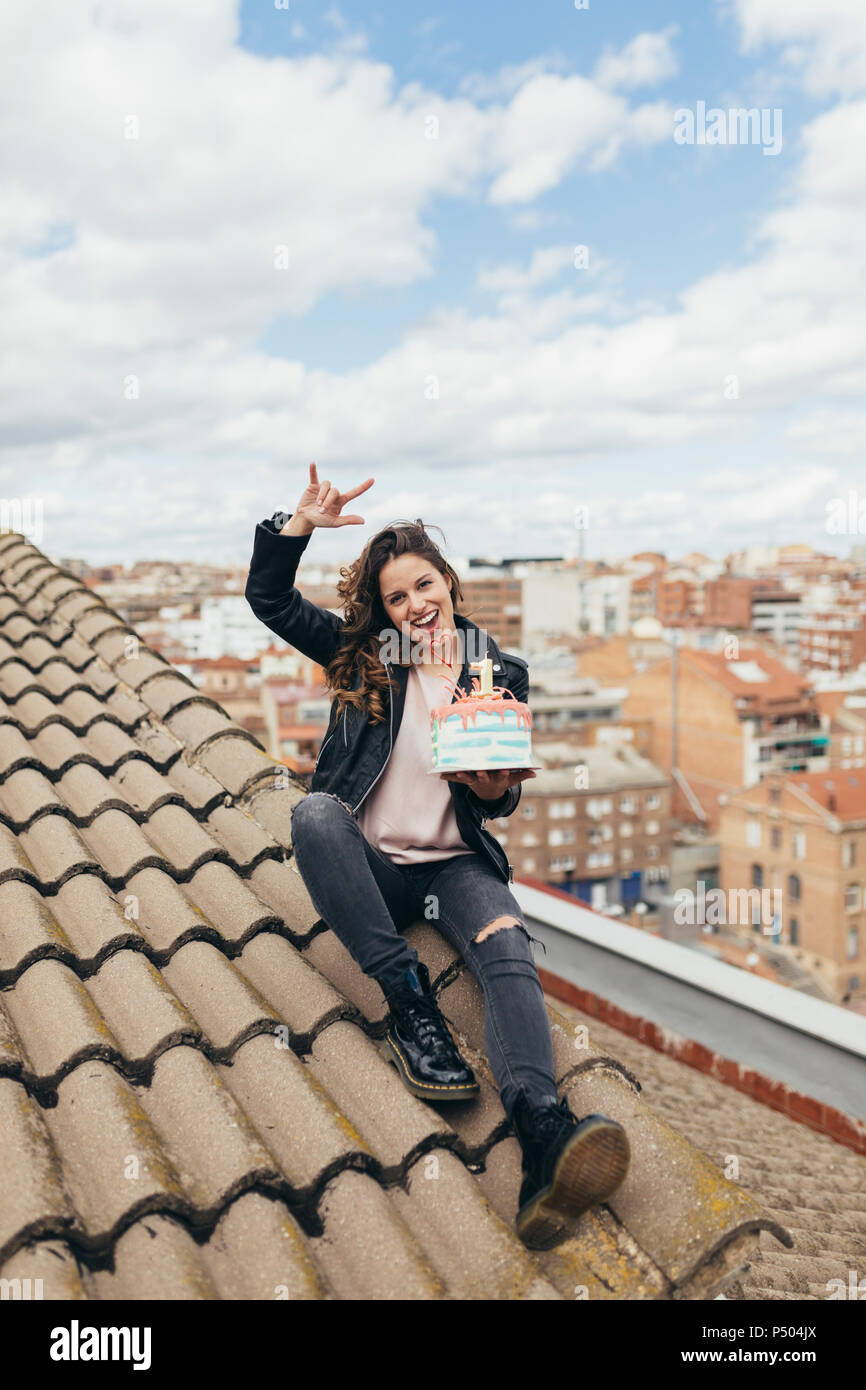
x=380 y=844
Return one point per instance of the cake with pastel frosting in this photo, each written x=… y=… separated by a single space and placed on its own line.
x=483 y=731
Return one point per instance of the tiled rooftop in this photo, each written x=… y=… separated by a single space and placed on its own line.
x=776 y=687
x=812 y=1184
x=192 y=1102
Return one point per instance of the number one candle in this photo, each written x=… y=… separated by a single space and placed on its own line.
x=486 y=669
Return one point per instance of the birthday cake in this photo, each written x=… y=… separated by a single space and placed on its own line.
x=483 y=731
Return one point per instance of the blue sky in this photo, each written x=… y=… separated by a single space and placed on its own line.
x=694 y=213
x=698 y=385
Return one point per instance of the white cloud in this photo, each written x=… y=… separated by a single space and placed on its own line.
x=171 y=279
x=646 y=60
x=553 y=125
x=499 y=85
x=822 y=41
x=779 y=494
x=830 y=432
x=546 y=263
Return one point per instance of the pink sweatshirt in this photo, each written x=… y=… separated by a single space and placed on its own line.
x=408 y=815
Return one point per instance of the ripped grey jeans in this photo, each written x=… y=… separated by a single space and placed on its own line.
x=368 y=900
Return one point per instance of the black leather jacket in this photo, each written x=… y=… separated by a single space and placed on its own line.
x=354 y=751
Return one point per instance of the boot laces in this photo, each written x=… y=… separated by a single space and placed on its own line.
x=429 y=1024
x=552 y=1121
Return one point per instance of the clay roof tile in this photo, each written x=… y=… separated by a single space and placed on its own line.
x=168 y=992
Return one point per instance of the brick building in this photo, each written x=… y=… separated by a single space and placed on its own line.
x=234 y=683
x=803 y=836
x=495 y=602
x=728 y=602
x=832 y=642
x=736 y=720
x=599 y=829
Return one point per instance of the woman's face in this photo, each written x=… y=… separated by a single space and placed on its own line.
x=412 y=588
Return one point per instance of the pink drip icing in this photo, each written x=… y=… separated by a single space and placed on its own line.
x=468 y=706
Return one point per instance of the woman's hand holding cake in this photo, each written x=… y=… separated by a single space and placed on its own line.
x=489 y=786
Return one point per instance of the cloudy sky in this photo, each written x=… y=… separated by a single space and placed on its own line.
x=458 y=248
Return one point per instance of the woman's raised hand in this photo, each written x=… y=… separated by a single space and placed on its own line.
x=321 y=504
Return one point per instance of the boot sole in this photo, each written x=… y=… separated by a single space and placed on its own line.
x=590 y=1168
x=427 y=1090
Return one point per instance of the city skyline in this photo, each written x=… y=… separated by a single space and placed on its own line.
x=471 y=254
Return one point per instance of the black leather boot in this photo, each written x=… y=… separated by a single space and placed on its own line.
x=419 y=1044
x=569 y=1166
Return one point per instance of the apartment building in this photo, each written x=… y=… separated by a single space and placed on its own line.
x=605 y=601
x=616 y=660
x=550 y=603
x=737 y=719
x=802 y=837
x=777 y=614
x=495 y=602
x=643 y=597
x=761 y=606
x=599 y=829
x=232 y=683
x=296 y=717
x=680 y=599
x=728 y=602
x=832 y=642
x=848 y=738
x=558 y=714
x=844 y=718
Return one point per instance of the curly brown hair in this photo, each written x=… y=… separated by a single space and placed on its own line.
x=355 y=672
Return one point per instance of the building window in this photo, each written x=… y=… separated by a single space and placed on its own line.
x=599 y=833
x=627 y=805
x=653 y=801
x=652 y=851
x=594 y=861
x=562 y=862
x=528 y=810
x=753 y=833
x=799 y=846
x=528 y=866
x=557 y=809
x=852 y=897
x=626 y=856
x=793 y=888
x=849 y=855
x=560 y=837
x=757 y=876
x=853 y=943
x=652 y=827
x=794 y=931
x=775 y=793
x=625 y=827
x=775 y=837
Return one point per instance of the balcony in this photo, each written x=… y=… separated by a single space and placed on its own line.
x=792 y=731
